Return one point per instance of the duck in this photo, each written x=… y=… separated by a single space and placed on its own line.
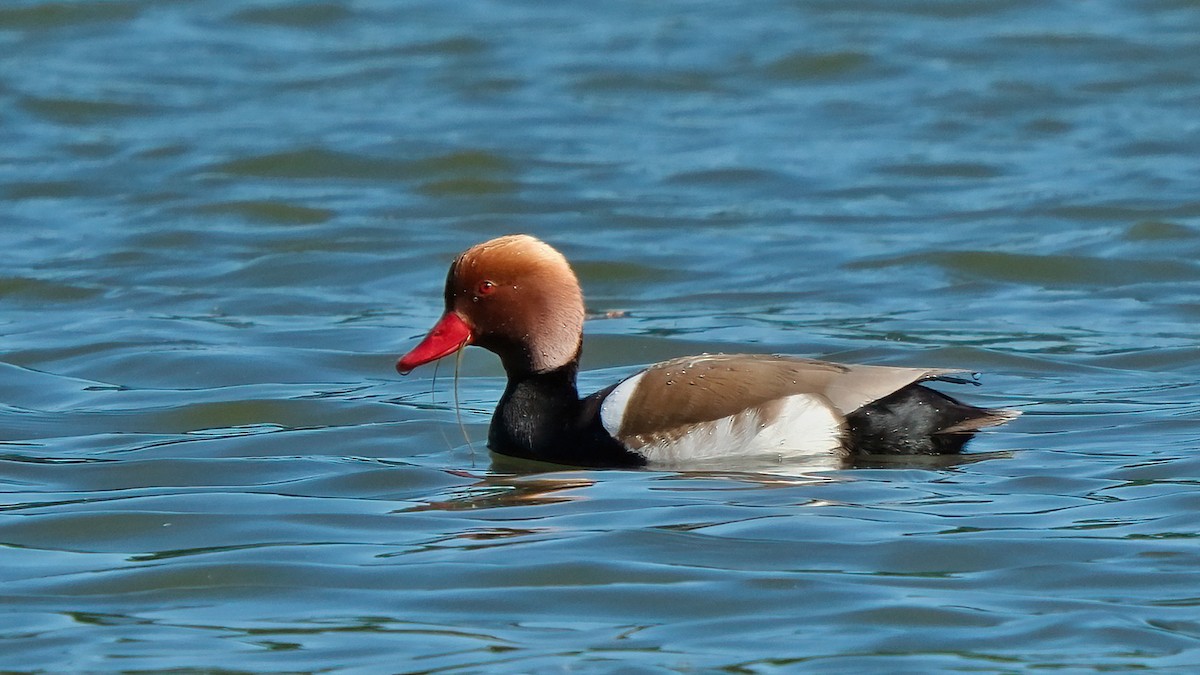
x=518 y=297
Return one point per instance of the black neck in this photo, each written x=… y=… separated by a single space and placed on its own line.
x=535 y=413
x=541 y=417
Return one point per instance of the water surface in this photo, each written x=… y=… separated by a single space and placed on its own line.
x=222 y=222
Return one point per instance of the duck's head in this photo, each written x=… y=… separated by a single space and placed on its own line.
x=515 y=296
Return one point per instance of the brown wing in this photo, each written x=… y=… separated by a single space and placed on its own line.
x=697 y=389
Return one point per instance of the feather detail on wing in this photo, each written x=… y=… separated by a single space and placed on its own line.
x=697 y=389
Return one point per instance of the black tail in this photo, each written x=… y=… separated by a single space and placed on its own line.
x=917 y=421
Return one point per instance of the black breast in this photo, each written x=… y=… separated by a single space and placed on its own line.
x=541 y=417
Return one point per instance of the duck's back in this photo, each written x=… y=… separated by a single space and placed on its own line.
x=713 y=405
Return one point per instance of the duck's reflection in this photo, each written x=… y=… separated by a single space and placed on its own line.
x=923 y=461
x=514 y=482
x=506 y=488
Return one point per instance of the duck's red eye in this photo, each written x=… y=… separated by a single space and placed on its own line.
x=485 y=288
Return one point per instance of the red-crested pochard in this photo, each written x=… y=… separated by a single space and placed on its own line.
x=518 y=297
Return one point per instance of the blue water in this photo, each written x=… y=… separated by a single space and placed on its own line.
x=221 y=222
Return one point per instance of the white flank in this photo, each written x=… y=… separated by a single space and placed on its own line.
x=612 y=411
x=805 y=426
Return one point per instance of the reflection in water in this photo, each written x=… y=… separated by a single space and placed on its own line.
x=925 y=461
x=533 y=486
x=499 y=490
x=520 y=482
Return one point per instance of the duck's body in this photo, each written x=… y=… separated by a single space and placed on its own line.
x=518 y=297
